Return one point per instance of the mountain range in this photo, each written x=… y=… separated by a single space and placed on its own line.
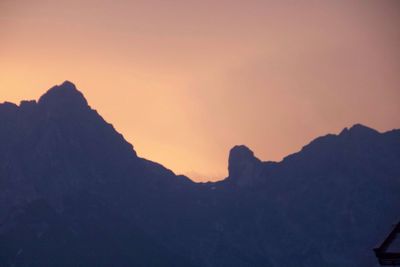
x=73 y=192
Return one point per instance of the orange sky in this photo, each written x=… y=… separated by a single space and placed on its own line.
x=184 y=81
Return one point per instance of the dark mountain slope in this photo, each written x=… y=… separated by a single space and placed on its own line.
x=74 y=192
x=62 y=153
x=334 y=197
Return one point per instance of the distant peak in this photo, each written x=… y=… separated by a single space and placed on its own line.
x=359 y=129
x=243 y=167
x=63 y=96
x=68 y=84
x=66 y=87
x=8 y=107
x=241 y=151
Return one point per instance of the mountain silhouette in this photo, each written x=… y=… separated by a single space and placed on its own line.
x=73 y=192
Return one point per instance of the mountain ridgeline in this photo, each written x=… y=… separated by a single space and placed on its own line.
x=73 y=192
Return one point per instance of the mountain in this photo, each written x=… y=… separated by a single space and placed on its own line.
x=73 y=192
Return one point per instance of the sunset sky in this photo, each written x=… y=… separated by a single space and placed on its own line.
x=184 y=81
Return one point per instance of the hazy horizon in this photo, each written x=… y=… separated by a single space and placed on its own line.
x=185 y=81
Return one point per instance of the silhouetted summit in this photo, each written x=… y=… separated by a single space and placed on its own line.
x=63 y=97
x=7 y=108
x=73 y=192
x=244 y=167
x=360 y=130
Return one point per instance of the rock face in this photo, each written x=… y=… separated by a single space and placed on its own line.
x=73 y=192
x=244 y=168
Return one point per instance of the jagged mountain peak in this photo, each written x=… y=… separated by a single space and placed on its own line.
x=241 y=151
x=359 y=129
x=64 y=96
x=243 y=167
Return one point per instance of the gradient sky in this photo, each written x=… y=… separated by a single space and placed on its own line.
x=184 y=81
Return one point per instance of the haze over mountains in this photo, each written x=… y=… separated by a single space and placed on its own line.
x=73 y=192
